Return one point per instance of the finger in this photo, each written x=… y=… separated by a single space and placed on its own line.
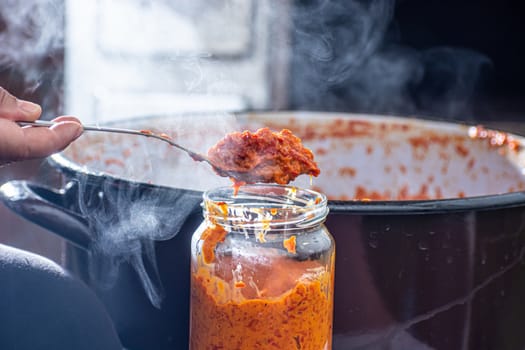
x=36 y=142
x=45 y=141
x=70 y=119
x=66 y=118
x=18 y=110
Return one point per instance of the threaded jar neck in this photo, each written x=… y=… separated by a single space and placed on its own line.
x=265 y=207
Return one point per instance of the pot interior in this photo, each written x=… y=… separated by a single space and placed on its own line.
x=361 y=157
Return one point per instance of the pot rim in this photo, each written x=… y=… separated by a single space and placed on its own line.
x=373 y=207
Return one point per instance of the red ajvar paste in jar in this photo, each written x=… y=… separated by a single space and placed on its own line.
x=290 y=309
x=262 y=270
x=210 y=237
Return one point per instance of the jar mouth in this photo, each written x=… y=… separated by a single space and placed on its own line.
x=265 y=207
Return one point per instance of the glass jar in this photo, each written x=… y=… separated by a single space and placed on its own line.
x=262 y=270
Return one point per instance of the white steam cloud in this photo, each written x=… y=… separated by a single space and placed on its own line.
x=31 y=29
x=31 y=44
x=348 y=58
x=126 y=221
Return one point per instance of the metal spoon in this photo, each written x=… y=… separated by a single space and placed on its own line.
x=196 y=156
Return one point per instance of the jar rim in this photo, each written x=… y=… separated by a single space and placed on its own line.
x=267 y=207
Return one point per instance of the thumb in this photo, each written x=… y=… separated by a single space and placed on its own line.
x=17 y=110
x=66 y=132
x=41 y=142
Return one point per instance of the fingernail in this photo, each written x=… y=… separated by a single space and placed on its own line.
x=80 y=131
x=28 y=107
x=71 y=129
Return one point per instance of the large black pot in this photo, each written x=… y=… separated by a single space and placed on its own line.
x=438 y=263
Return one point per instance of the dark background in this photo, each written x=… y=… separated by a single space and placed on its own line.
x=493 y=28
x=470 y=56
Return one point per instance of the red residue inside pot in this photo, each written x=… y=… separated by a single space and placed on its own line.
x=362 y=159
x=495 y=138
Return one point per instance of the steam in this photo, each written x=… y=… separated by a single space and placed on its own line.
x=348 y=58
x=31 y=29
x=128 y=218
x=126 y=222
x=31 y=42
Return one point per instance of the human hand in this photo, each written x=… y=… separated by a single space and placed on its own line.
x=21 y=143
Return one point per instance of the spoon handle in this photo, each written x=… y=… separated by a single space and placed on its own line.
x=147 y=133
x=44 y=123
